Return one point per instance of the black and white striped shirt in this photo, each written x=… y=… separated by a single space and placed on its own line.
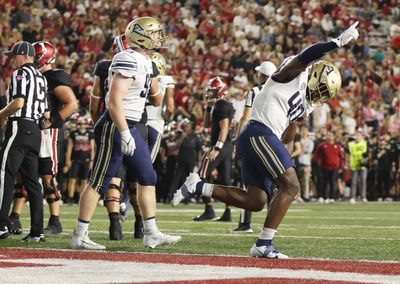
x=251 y=95
x=28 y=83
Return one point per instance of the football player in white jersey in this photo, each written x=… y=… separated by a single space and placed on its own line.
x=263 y=146
x=117 y=139
x=264 y=71
x=156 y=116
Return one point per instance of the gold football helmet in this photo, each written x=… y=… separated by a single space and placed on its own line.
x=146 y=33
x=324 y=82
x=159 y=60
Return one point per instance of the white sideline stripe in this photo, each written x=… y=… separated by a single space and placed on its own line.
x=180 y=210
x=285 y=226
x=98 y=271
x=255 y=217
x=234 y=209
x=186 y=233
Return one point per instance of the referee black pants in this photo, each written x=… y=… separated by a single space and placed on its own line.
x=20 y=151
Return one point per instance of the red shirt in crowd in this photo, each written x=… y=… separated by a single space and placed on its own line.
x=329 y=156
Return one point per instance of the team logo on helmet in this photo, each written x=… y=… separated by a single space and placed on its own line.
x=137 y=29
x=45 y=53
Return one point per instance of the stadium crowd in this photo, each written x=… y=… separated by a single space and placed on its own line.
x=229 y=39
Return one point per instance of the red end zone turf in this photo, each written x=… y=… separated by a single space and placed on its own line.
x=200 y=268
x=369 y=267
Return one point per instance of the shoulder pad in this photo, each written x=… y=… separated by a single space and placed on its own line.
x=101 y=67
x=125 y=63
x=57 y=77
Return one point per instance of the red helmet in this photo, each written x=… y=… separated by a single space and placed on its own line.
x=216 y=88
x=119 y=44
x=45 y=53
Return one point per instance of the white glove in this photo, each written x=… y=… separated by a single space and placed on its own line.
x=128 y=145
x=347 y=35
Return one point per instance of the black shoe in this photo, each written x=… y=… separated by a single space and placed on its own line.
x=138 y=234
x=226 y=217
x=34 y=239
x=53 y=228
x=4 y=233
x=242 y=229
x=207 y=215
x=15 y=226
x=115 y=231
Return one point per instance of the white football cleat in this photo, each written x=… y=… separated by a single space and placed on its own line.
x=159 y=239
x=266 y=252
x=188 y=189
x=83 y=242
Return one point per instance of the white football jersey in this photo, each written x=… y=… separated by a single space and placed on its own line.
x=132 y=64
x=155 y=114
x=279 y=104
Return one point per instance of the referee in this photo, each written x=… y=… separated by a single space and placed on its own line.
x=27 y=103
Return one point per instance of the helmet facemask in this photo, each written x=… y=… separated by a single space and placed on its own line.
x=211 y=94
x=159 y=38
x=319 y=95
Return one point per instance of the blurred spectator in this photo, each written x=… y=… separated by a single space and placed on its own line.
x=189 y=155
x=210 y=38
x=305 y=162
x=328 y=156
x=384 y=168
x=358 y=161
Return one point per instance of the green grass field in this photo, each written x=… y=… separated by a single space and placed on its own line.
x=339 y=231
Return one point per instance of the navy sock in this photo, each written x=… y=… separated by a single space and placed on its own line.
x=261 y=243
x=199 y=188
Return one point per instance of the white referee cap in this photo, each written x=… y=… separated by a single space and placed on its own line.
x=267 y=68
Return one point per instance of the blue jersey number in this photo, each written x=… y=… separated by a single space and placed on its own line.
x=146 y=89
x=296 y=108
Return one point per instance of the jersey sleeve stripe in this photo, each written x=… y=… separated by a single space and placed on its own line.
x=127 y=65
x=121 y=68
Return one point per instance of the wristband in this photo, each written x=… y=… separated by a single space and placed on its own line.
x=156 y=93
x=95 y=97
x=219 y=145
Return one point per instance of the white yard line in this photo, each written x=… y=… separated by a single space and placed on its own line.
x=188 y=233
x=98 y=271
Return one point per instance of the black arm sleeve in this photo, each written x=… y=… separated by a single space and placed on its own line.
x=316 y=51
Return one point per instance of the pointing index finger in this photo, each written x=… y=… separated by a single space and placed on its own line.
x=355 y=24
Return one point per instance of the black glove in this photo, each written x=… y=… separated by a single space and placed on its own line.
x=42 y=122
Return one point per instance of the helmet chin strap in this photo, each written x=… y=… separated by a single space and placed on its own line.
x=308 y=96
